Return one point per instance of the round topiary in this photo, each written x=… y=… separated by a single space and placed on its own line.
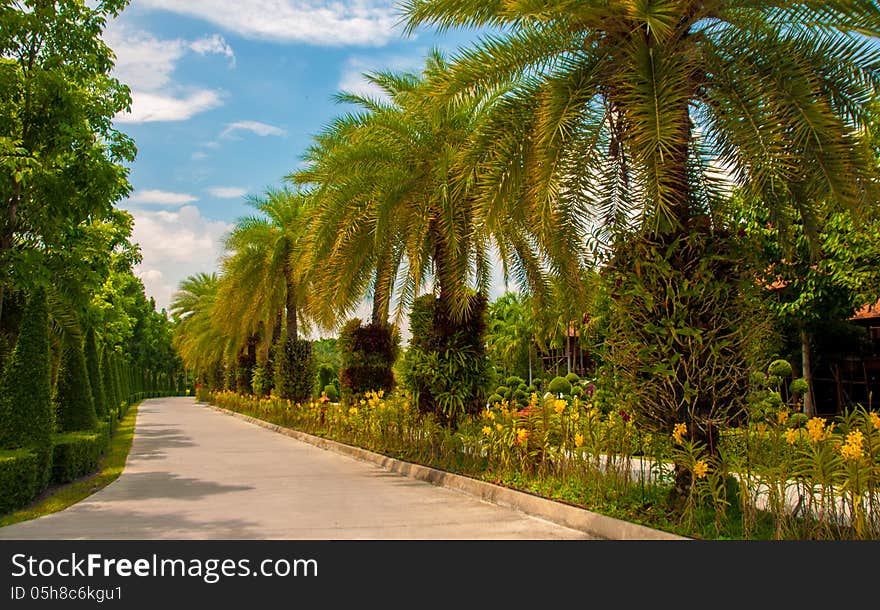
x=577 y=391
x=572 y=378
x=520 y=396
x=559 y=385
x=502 y=391
x=799 y=386
x=495 y=399
x=797 y=420
x=779 y=368
x=514 y=381
x=331 y=392
x=522 y=387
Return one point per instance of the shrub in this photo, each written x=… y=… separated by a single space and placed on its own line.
x=112 y=392
x=572 y=378
x=260 y=381
x=326 y=375
x=578 y=391
x=76 y=454
x=294 y=369
x=799 y=387
x=368 y=354
x=514 y=382
x=74 y=407
x=797 y=420
x=503 y=391
x=779 y=368
x=93 y=367
x=331 y=392
x=495 y=399
x=21 y=478
x=559 y=385
x=26 y=417
x=446 y=368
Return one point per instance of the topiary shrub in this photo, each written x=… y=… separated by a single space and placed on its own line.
x=779 y=368
x=331 y=392
x=572 y=378
x=96 y=381
x=514 y=381
x=260 y=381
x=74 y=408
x=22 y=477
x=76 y=454
x=446 y=368
x=503 y=391
x=495 y=399
x=559 y=385
x=294 y=370
x=368 y=354
x=326 y=375
x=799 y=387
x=578 y=391
x=797 y=420
x=26 y=415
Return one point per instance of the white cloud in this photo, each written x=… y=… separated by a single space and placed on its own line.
x=175 y=245
x=321 y=22
x=199 y=156
x=260 y=129
x=150 y=107
x=146 y=64
x=156 y=197
x=352 y=79
x=227 y=192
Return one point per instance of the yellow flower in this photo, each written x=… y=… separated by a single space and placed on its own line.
x=875 y=419
x=816 y=429
x=487 y=430
x=791 y=436
x=578 y=440
x=380 y=393
x=498 y=427
x=761 y=428
x=363 y=402
x=852 y=448
x=353 y=411
x=533 y=399
x=522 y=436
x=575 y=416
x=492 y=415
x=782 y=417
x=559 y=405
x=701 y=469
x=678 y=432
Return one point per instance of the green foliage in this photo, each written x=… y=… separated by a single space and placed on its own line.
x=21 y=477
x=26 y=414
x=260 y=381
x=559 y=385
x=76 y=454
x=74 y=407
x=797 y=420
x=685 y=336
x=799 y=387
x=368 y=354
x=331 y=392
x=96 y=382
x=112 y=391
x=495 y=399
x=446 y=368
x=294 y=370
x=779 y=368
x=572 y=378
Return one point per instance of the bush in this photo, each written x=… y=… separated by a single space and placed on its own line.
x=294 y=370
x=111 y=390
x=578 y=391
x=495 y=399
x=514 y=382
x=799 y=387
x=797 y=420
x=93 y=367
x=21 y=478
x=572 y=378
x=446 y=368
x=779 y=368
x=368 y=354
x=559 y=385
x=74 y=408
x=76 y=454
x=26 y=417
x=260 y=381
x=503 y=391
x=331 y=392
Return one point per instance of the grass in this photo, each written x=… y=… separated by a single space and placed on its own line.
x=110 y=467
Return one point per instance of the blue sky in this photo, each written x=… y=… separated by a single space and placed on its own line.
x=226 y=96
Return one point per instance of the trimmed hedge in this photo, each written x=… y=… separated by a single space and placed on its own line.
x=74 y=406
x=294 y=369
x=76 y=454
x=368 y=355
x=22 y=477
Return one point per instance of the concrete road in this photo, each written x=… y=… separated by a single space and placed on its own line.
x=194 y=473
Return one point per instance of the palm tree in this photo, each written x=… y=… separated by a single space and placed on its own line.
x=197 y=339
x=627 y=104
x=511 y=327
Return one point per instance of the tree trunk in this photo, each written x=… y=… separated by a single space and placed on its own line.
x=290 y=306
x=809 y=403
x=381 y=292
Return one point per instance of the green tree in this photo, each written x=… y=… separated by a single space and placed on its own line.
x=26 y=416
x=61 y=158
x=111 y=388
x=74 y=406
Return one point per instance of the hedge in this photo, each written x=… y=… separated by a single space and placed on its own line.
x=22 y=477
x=76 y=454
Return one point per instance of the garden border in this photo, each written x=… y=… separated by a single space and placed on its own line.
x=566 y=515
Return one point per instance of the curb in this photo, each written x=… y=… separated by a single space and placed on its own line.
x=566 y=515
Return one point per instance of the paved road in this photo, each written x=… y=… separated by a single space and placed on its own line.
x=194 y=473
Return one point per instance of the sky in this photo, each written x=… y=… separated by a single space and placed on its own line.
x=226 y=96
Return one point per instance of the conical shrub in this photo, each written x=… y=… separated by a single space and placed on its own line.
x=74 y=406
x=26 y=418
x=96 y=380
x=111 y=394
